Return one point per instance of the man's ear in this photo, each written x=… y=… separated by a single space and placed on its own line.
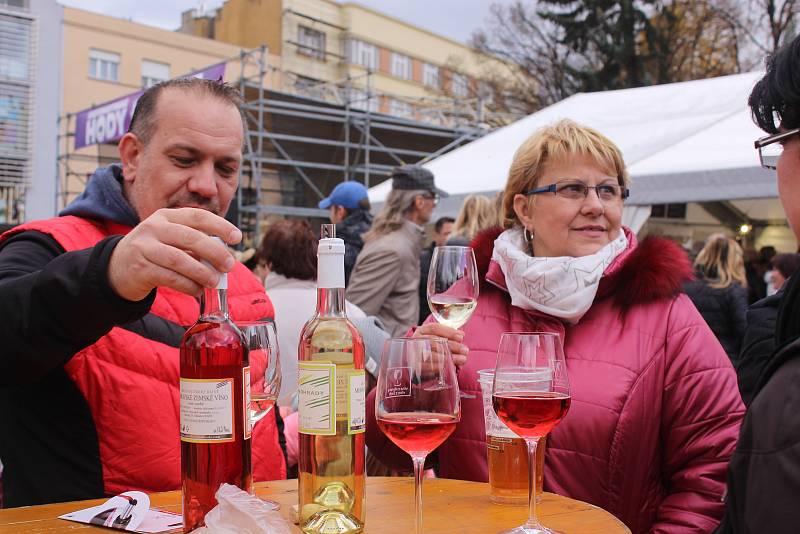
x=130 y=153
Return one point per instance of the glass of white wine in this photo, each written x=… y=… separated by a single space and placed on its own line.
x=453 y=287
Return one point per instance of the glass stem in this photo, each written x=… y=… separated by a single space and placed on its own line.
x=419 y=468
x=532 y=522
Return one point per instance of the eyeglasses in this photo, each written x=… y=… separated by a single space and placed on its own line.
x=434 y=197
x=579 y=191
x=770 y=147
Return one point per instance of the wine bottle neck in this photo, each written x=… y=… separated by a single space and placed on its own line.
x=214 y=303
x=330 y=302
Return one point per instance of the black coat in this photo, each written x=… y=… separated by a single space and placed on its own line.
x=758 y=344
x=350 y=231
x=724 y=309
x=764 y=472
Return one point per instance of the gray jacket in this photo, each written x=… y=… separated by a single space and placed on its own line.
x=385 y=279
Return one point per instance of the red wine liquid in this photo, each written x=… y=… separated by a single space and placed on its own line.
x=211 y=351
x=531 y=414
x=417 y=431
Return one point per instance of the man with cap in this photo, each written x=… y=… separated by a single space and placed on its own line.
x=385 y=279
x=349 y=211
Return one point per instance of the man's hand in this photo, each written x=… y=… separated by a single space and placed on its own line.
x=454 y=338
x=166 y=250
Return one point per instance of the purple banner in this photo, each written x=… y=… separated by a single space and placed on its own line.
x=108 y=122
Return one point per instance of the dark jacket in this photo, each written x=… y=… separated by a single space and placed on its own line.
x=424 y=266
x=764 y=472
x=758 y=344
x=724 y=310
x=350 y=231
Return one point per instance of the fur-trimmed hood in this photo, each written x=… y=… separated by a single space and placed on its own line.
x=652 y=270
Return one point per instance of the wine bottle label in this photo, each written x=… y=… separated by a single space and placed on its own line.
x=207 y=410
x=356 y=402
x=317 y=398
x=248 y=422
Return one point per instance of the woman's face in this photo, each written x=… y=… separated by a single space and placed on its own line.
x=567 y=227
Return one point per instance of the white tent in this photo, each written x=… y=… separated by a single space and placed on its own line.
x=682 y=142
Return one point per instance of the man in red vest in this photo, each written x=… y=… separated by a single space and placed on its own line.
x=94 y=303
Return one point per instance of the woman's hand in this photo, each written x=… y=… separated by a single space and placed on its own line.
x=454 y=338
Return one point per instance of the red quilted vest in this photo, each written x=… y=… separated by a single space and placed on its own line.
x=131 y=383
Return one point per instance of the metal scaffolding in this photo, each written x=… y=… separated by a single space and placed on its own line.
x=303 y=138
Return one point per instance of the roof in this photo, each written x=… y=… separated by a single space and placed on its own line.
x=682 y=142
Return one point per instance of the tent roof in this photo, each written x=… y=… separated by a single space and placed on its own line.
x=688 y=141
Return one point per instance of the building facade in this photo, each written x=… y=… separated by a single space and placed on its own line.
x=110 y=58
x=348 y=52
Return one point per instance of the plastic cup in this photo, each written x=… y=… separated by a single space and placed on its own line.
x=507 y=453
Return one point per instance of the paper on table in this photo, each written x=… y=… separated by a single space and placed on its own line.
x=129 y=511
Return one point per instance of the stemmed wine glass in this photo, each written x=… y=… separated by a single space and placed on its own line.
x=453 y=287
x=417 y=402
x=530 y=394
x=261 y=340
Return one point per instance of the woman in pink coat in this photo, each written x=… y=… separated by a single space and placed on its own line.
x=655 y=407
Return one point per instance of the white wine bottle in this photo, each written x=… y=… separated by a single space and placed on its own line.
x=332 y=414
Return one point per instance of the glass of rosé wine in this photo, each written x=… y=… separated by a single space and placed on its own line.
x=530 y=394
x=417 y=403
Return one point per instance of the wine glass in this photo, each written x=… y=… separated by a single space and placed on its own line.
x=417 y=404
x=261 y=340
x=453 y=287
x=530 y=394
x=265 y=366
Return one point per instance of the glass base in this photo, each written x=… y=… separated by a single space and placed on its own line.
x=539 y=529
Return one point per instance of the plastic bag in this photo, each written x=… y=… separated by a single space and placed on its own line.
x=238 y=512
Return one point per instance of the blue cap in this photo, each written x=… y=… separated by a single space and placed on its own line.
x=346 y=194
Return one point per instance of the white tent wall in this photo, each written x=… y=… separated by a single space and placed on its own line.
x=682 y=142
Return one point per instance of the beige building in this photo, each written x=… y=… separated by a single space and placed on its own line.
x=107 y=58
x=392 y=66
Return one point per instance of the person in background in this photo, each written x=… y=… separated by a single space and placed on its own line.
x=719 y=291
x=349 y=210
x=96 y=300
x=655 y=411
x=442 y=229
x=764 y=472
x=477 y=213
x=759 y=337
x=385 y=280
x=784 y=266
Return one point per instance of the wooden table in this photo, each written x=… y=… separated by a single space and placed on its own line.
x=449 y=507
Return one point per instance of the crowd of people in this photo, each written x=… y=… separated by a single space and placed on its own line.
x=684 y=413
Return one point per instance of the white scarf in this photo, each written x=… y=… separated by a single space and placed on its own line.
x=563 y=287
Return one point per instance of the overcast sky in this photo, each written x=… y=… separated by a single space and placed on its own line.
x=453 y=18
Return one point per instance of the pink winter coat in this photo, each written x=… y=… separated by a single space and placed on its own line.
x=655 y=409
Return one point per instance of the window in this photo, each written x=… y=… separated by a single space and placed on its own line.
x=486 y=92
x=311 y=41
x=358 y=100
x=364 y=54
x=103 y=65
x=430 y=75
x=401 y=66
x=153 y=73
x=668 y=211
x=399 y=108
x=459 y=85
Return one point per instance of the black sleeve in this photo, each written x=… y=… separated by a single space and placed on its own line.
x=55 y=303
x=737 y=309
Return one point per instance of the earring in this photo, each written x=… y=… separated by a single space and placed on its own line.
x=526 y=234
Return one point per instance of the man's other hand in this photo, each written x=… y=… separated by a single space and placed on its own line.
x=167 y=249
